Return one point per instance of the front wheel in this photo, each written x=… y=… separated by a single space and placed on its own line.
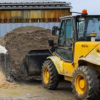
x=85 y=83
x=50 y=78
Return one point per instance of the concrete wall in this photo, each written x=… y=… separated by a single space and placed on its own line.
x=7 y=27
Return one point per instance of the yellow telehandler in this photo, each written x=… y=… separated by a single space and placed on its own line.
x=76 y=56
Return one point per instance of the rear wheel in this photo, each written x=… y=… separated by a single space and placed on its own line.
x=85 y=83
x=50 y=78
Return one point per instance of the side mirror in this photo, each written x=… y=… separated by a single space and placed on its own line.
x=54 y=30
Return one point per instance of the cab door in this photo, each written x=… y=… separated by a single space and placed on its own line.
x=65 y=46
x=69 y=45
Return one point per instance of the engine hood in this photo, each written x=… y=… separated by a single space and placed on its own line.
x=93 y=56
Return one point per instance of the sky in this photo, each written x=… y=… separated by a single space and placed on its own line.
x=92 y=6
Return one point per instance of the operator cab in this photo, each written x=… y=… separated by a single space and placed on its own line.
x=73 y=29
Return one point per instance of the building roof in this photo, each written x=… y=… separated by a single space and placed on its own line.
x=31 y=5
x=18 y=1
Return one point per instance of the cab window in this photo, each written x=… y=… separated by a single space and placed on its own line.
x=69 y=33
x=61 y=35
x=80 y=30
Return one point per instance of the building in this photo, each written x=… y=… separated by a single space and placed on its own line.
x=42 y=13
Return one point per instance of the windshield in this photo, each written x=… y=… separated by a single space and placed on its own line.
x=87 y=26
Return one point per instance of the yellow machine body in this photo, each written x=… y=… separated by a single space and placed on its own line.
x=88 y=52
x=76 y=55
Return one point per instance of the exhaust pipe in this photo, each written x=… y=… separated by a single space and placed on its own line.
x=93 y=35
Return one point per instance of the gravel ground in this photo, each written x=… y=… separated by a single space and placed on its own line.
x=35 y=91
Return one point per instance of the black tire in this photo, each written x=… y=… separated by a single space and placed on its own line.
x=53 y=75
x=92 y=83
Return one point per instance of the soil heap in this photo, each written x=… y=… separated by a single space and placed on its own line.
x=21 y=40
x=6 y=85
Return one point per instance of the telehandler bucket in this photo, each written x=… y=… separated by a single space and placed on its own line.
x=32 y=64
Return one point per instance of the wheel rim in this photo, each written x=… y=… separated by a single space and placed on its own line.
x=80 y=84
x=46 y=75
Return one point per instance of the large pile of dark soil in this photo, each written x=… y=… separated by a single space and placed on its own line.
x=20 y=41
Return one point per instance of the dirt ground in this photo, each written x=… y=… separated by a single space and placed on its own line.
x=35 y=91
